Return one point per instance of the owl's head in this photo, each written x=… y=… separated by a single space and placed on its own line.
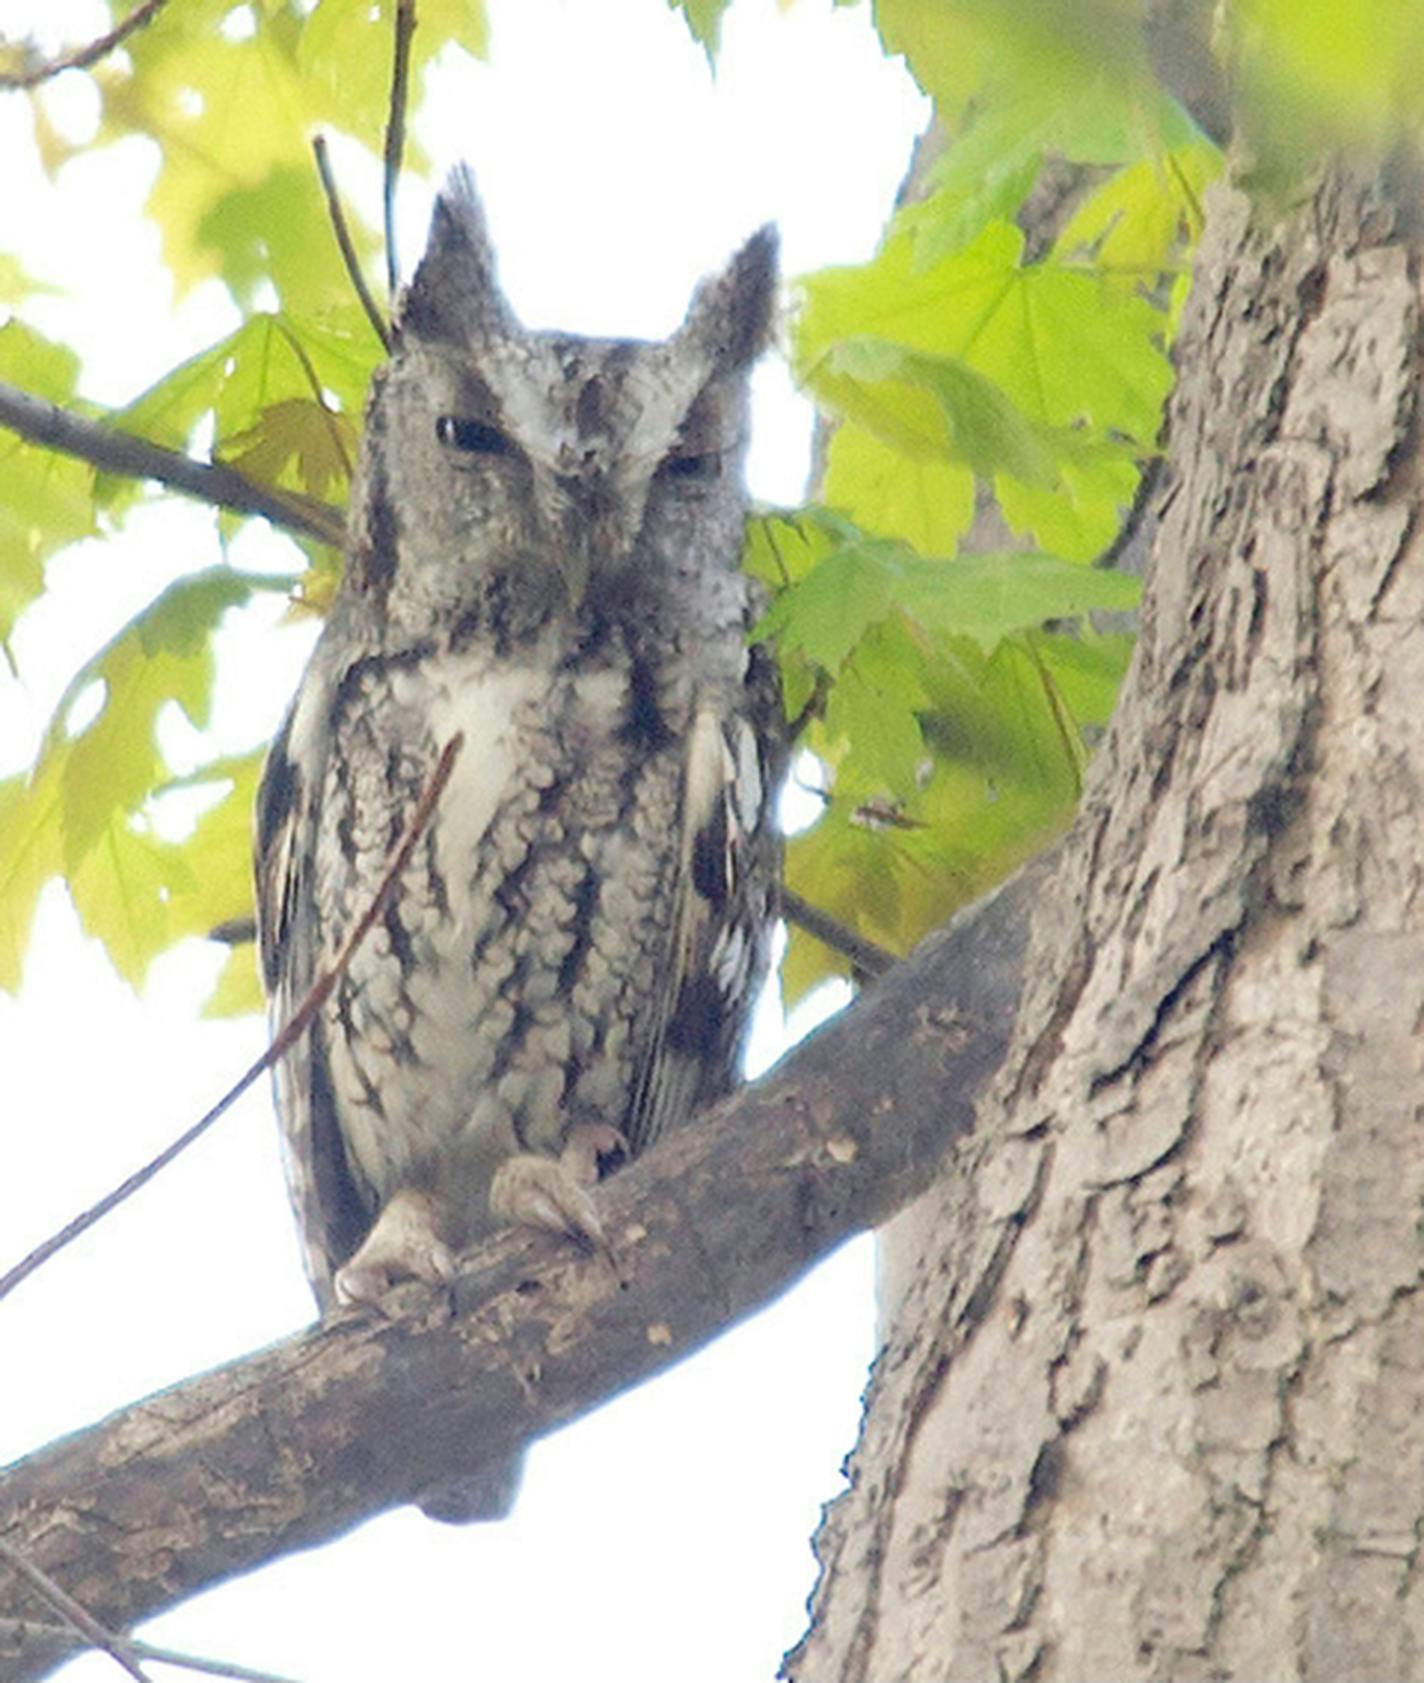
x=561 y=465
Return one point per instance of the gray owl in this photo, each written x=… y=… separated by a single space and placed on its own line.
x=543 y=555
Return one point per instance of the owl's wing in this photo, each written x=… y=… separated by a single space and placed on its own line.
x=724 y=909
x=329 y=1211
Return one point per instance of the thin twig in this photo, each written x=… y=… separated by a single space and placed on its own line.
x=343 y=239
x=290 y=1033
x=395 y=133
x=206 y=1667
x=80 y=58
x=72 y=1612
x=867 y=958
x=814 y=708
x=54 y=1636
x=234 y=932
x=106 y=447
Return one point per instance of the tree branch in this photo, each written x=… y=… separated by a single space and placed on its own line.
x=78 y=1617
x=105 y=447
x=867 y=959
x=80 y=58
x=19 y=1632
x=182 y=1490
x=348 y=249
x=395 y=134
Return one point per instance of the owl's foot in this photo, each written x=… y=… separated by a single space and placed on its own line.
x=586 y=1145
x=404 y=1244
x=552 y=1193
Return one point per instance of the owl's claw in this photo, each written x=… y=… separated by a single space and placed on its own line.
x=551 y=1194
x=585 y=1146
x=404 y=1244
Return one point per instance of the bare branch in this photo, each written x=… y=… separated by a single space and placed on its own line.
x=234 y=932
x=814 y=707
x=177 y=1492
x=206 y=1667
x=66 y=1640
x=290 y=1033
x=71 y=1611
x=867 y=958
x=343 y=239
x=81 y=58
x=395 y=132
x=104 y=446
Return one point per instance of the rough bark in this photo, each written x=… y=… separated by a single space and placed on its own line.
x=1148 y=1407
x=296 y=1443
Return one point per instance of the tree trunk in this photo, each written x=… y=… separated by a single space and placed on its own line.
x=1148 y=1405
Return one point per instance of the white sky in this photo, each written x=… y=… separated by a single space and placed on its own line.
x=667 y=1534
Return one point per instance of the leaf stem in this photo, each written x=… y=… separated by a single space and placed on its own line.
x=299 y=351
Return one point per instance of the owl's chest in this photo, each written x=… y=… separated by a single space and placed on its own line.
x=558 y=771
x=527 y=932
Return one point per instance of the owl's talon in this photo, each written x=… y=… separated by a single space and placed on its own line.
x=405 y=1244
x=549 y=1194
x=585 y=1144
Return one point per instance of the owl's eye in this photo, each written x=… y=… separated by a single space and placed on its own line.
x=473 y=437
x=706 y=466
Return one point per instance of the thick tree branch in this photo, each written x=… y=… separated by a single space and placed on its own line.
x=180 y=1491
x=41 y=422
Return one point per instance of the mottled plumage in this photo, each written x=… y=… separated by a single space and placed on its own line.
x=543 y=555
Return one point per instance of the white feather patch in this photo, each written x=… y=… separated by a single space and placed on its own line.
x=486 y=710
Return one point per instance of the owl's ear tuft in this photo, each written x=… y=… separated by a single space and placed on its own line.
x=454 y=294
x=731 y=314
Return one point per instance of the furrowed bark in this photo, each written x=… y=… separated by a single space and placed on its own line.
x=1149 y=1403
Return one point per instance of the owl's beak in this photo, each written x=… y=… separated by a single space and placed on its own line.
x=594 y=535
x=573 y=569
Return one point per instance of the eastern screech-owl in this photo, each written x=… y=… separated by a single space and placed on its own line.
x=543 y=555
